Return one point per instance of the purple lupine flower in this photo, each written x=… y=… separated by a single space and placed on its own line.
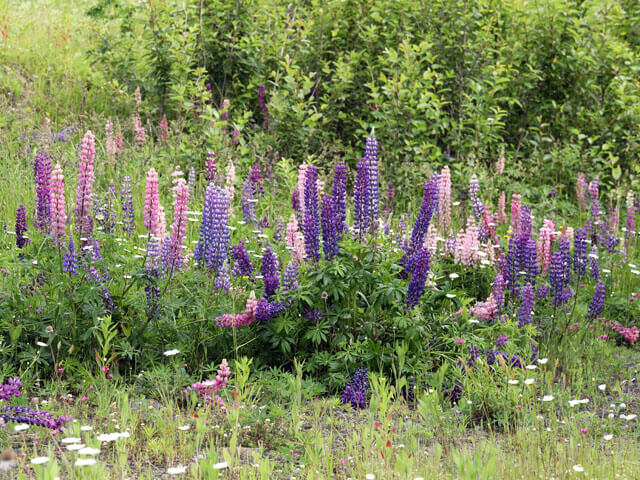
x=40 y=418
x=524 y=226
x=10 y=389
x=214 y=229
x=210 y=167
x=355 y=393
x=290 y=277
x=70 y=260
x=371 y=156
x=530 y=261
x=556 y=277
x=21 y=227
x=310 y=224
x=473 y=356
x=594 y=265
x=564 y=247
x=126 y=203
x=263 y=312
x=542 y=292
x=152 y=255
x=277 y=235
x=361 y=203
x=476 y=203
x=580 y=253
x=595 y=307
x=295 y=200
x=105 y=212
x=269 y=270
x=256 y=181
x=43 y=190
x=339 y=194
x=418 y=278
x=499 y=285
x=276 y=308
x=248 y=202
x=314 y=315
x=329 y=234
x=502 y=340
x=534 y=353
x=63 y=135
x=421 y=225
x=223 y=280
x=611 y=242
x=526 y=306
x=513 y=262
x=243 y=266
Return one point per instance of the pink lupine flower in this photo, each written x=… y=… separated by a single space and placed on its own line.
x=152 y=203
x=467 y=245
x=179 y=227
x=110 y=140
x=581 y=191
x=85 y=185
x=58 y=208
x=162 y=223
x=502 y=216
x=138 y=98
x=516 y=208
x=294 y=240
x=163 y=130
x=487 y=310
x=431 y=240
x=302 y=176
x=230 y=180
x=140 y=134
x=444 y=200
x=118 y=140
x=546 y=237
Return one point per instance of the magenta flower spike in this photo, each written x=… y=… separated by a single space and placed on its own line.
x=85 y=185
x=58 y=209
x=152 y=203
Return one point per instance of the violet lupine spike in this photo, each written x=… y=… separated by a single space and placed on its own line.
x=21 y=227
x=26 y=415
x=595 y=307
x=85 y=185
x=526 y=306
x=263 y=105
x=256 y=181
x=513 y=263
x=499 y=286
x=270 y=273
x=295 y=200
x=70 y=259
x=248 y=202
x=10 y=389
x=126 y=203
x=529 y=261
x=355 y=393
x=290 y=277
x=418 y=278
x=223 y=280
x=421 y=226
x=564 y=247
x=556 y=278
x=361 y=202
x=329 y=234
x=594 y=264
x=43 y=191
x=580 y=253
x=310 y=225
x=211 y=250
x=339 y=194
x=371 y=156
x=210 y=167
x=243 y=266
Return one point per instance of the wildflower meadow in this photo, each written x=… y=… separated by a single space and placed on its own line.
x=323 y=239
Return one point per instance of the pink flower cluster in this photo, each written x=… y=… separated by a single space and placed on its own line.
x=247 y=318
x=112 y=149
x=163 y=130
x=179 y=227
x=546 y=237
x=502 y=216
x=516 y=208
x=485 y=310
x=581 y=191
x=208 y=389
x=629 y=334
x=152 y=203
x=85 y=184
x=58 y=212
x=294 y=240
x=444 y=199
x=467 y=245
